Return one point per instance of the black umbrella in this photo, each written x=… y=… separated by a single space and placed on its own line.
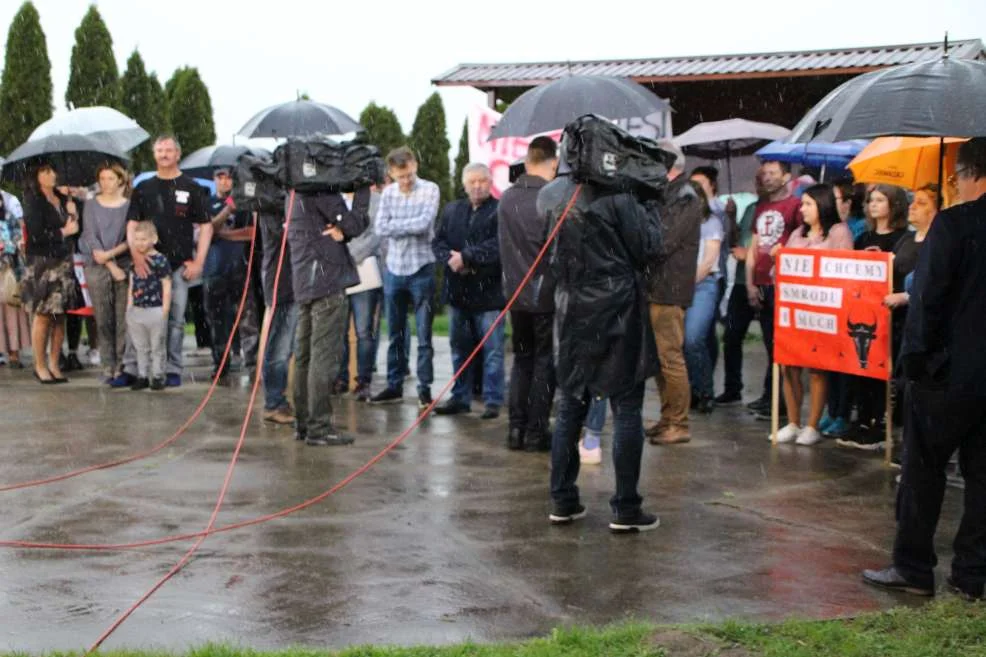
x=553 y=106
x=716 y=140
x=941 y=98
x=75 y=158
x=299 y=118
x=204 y=162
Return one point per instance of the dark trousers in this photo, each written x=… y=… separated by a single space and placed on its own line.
x=739 y=315
x=318 y=350
x=840 y=395
x=222 y=295
x=936 y=423
x=628 y=445
x=196 y=309
x=532 y=379
x=253 y=317
x=871 y=400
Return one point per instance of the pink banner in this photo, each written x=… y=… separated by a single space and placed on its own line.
x=498 y=154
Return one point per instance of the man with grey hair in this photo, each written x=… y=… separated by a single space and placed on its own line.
x=467 y=243
x=669 y=290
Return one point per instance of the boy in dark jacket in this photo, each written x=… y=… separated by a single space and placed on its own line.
x=321 y=270
x=604 y=343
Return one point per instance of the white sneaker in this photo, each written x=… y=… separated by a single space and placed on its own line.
x=809 y=436
x=94 y=358
x=788 y=434
x=590 y=456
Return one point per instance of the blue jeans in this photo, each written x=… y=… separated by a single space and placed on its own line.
x=176 y=321
x=595 y=420
x=464 y=325
x=364 y=312
x=280 y=347
x=628 y=446
x=398 y=291
x=698 y=319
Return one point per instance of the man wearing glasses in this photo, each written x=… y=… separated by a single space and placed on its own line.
x=945 y=404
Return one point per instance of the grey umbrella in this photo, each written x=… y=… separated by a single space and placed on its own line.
x=554 y=105
x=75 y=158
x=715 y=140
x=299 y=118
x=941 y=98
x=203 y=162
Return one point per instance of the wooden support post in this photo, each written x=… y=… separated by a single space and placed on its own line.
x=775 y=402
x=353 y=360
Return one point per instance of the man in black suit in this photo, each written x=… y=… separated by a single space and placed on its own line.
x=945 y=406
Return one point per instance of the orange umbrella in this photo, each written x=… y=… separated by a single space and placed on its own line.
x=909 y=162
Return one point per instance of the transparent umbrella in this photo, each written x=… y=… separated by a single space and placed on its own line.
x=104 y=123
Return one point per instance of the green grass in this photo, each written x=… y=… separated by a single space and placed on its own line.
x=945 y=628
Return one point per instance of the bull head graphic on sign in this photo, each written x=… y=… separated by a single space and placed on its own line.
x=862 y=333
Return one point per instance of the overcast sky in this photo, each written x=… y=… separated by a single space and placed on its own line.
x=256 y=53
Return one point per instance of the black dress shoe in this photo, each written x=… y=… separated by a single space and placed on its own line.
x=451 y=407
x=539 y=442
x=44 y=382
x=491 y=413
x=329 y=440
x=966 y=592
x=515 y=439
x=889 y=578
x=300 y=433
x=72 y=363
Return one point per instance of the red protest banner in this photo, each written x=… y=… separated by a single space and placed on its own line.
x=829 y=312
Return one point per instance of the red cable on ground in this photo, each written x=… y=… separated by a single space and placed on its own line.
x=342 y=484
x=236 y=452
x=182 y=429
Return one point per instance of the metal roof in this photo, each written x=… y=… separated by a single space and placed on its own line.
x=710 y=67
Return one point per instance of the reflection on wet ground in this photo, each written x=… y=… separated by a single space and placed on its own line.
x=444 y=540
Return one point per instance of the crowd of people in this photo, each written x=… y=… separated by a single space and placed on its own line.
x=656 y=279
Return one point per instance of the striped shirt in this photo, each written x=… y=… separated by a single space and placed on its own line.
x=407 y=223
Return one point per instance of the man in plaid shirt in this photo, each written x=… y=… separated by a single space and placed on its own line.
x=406 y=219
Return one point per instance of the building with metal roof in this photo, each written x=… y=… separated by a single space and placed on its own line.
x=778 y=87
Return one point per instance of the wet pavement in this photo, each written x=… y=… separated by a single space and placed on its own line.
x=446 y=539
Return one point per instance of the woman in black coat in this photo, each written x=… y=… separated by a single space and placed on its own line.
x=49 y=287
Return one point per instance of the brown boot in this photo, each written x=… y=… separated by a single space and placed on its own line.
x=656 y=429
x=671 y=436
x=278 y=416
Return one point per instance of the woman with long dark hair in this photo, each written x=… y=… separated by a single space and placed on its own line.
x=49 y=287
x=886 y=220
x=822 y=229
